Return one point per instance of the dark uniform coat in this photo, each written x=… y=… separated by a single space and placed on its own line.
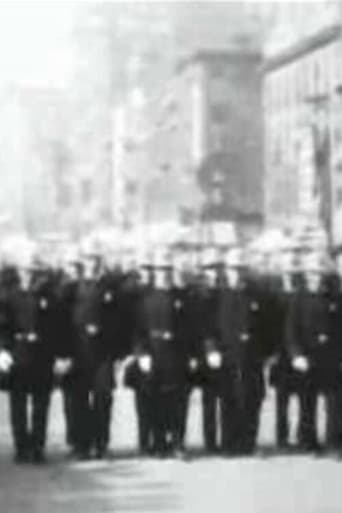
x=91 y=347
x=281 y=373
x=31 y=335
x=242 y=326
x=162 y=313
x=311 y=333
x=242 y=340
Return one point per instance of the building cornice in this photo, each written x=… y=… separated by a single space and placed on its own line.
x=202 y=55
x=305 y=46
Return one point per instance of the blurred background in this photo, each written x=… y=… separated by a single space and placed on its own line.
x=153 y=116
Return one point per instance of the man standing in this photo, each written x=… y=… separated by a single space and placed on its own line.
x=29 y=351
x=66 y=338
x=282 y=376
x=312 y=345
x=161 y=355
x=189 y=288
x=241 y=322
x=138 y=369
x=334 y=399
x=210 y=355
x=93 y=363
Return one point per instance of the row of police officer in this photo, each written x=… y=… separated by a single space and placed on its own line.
x=175 y=330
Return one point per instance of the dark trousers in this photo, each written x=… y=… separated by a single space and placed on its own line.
x=92 y=406
x=29 y=431
x=308 y=409
x=250 y=421
x=145 y=414
x=211 y=407
x=231 y=421
x=334 y=419
x=242 y=394
x=69 y=415
x=168 y=417
x=282 y=399
x=184 y=409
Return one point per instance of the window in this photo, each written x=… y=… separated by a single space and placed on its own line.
x=305 y=76
x=218 y=177
x=217 y=69
x=282 y=85
x=339 y=196
x=276 y=152
x=300 y=81
x=268 y=95
x=337 y=133
x=290 y=87
x=218 y=112
x=131 y=187
x=296 y=84
x=286 y=90
x=197 y=123
x=217 y=196
x=323 y=60
x=219 y=91
x=64 y=194
x=277 y=92
x=86 y=190
x=218 y=137
x=313 y=69
x=336 y=63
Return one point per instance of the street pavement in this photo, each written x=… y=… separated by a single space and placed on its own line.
x=266 y=483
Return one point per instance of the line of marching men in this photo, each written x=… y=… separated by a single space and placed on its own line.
x=173 y=328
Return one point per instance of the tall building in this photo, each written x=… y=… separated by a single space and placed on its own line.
x=198 y=152
x=302 y=119
x=230 y=161
x=33 y=160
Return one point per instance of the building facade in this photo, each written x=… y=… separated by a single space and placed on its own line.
x=197 y=157
x=231 y=169
x=33 y=162
x=302 y=124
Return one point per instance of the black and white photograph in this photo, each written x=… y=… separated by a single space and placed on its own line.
x=170 y=256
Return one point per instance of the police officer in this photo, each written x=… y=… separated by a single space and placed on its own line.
x=241 y=322
x=121 y=292
x=282 y=376
x=29 y=353
x=71 y=273
x=93 y=363
x=334 y=395
x=190 y=329
x=210 y=356
x=137 y=366
x=161 y=355
x=312 y=346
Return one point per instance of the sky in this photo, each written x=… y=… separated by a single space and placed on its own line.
x=35 y=42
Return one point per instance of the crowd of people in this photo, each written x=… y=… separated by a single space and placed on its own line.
x=173 y=323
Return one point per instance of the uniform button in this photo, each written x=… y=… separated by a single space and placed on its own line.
x=332 y=307
x=193 y=364
x=91 y=329
x=32 y=337
x=244 y=337
x=322 y=338
x=178 y=304
x=43 y=303
x=108 y=297
x=254 y=306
